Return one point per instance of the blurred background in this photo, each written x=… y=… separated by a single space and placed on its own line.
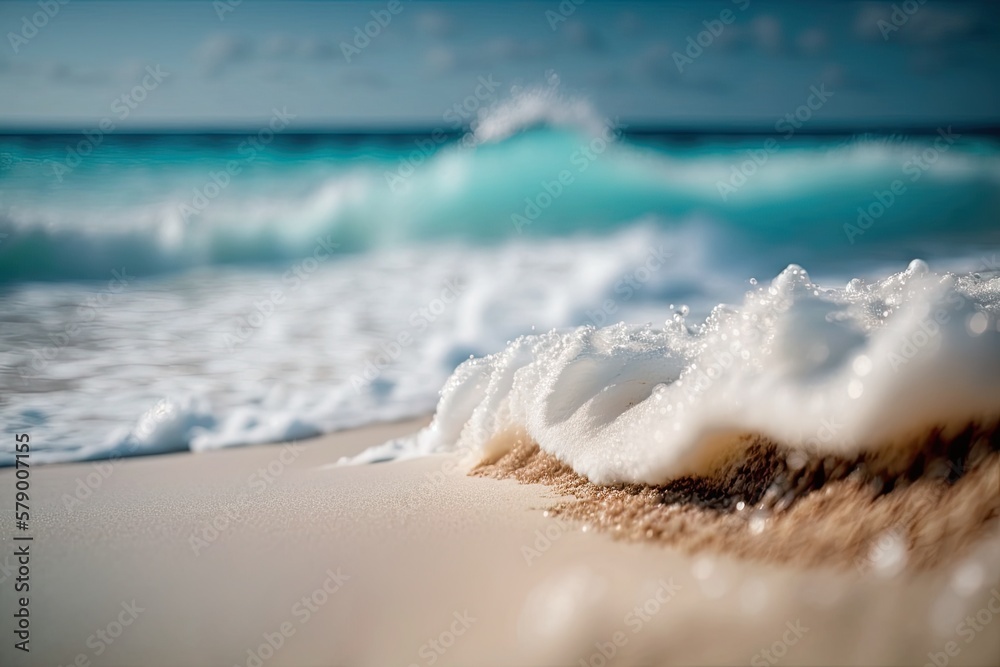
x=245 y=221
x=230 y=62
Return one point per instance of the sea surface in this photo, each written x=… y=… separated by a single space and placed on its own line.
x=171 y=292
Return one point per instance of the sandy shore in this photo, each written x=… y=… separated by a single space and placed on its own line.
x=212 y=559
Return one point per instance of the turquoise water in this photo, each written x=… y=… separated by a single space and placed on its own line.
x=156 y=202
x=173 y=292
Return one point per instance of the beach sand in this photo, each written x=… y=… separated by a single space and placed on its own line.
x=418 y=563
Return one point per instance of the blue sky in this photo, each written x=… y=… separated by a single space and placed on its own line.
x=232 y=68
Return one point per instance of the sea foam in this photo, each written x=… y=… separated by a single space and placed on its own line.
x=827 y=371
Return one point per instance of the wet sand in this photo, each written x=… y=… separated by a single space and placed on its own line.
x=912 y=508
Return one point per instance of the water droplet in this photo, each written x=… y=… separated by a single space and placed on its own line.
x=758 y=522
x=855 y=388
x=917 y=267
x=978 y=323
x=967 y=578
x=862 y=365
x=796 y=460
x=703 y=568
x=888 y=554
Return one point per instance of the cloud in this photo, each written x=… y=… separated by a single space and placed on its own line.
x=629 y=24
x=364 y=76
x=435 y=24
x=317 y=49
x=934 y=60
x=764 y=34
x=839 y=79
x=278 y=46
x=68 y=73
x=812 y=41
x=767 y=34
x=582 y=36
x=484 y=54
x=606 y=76
x=926 y=26
x=513 y=48
x=125 y=73
x=440 y=59
x=220 y=51
x=655 y=63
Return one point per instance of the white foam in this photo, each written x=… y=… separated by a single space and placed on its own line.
x=305 y=368
x=825 y=370
x=539 y=106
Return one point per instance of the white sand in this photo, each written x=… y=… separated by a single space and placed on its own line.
x=416 y=553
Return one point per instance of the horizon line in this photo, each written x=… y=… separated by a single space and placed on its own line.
x=634 y=129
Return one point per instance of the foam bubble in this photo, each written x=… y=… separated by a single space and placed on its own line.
x=824 y=370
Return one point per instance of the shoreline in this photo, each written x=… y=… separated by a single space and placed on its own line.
x=415 y=562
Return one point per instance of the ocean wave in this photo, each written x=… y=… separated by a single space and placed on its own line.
x=211 y=361
x=831 y=203
x=871 y=366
